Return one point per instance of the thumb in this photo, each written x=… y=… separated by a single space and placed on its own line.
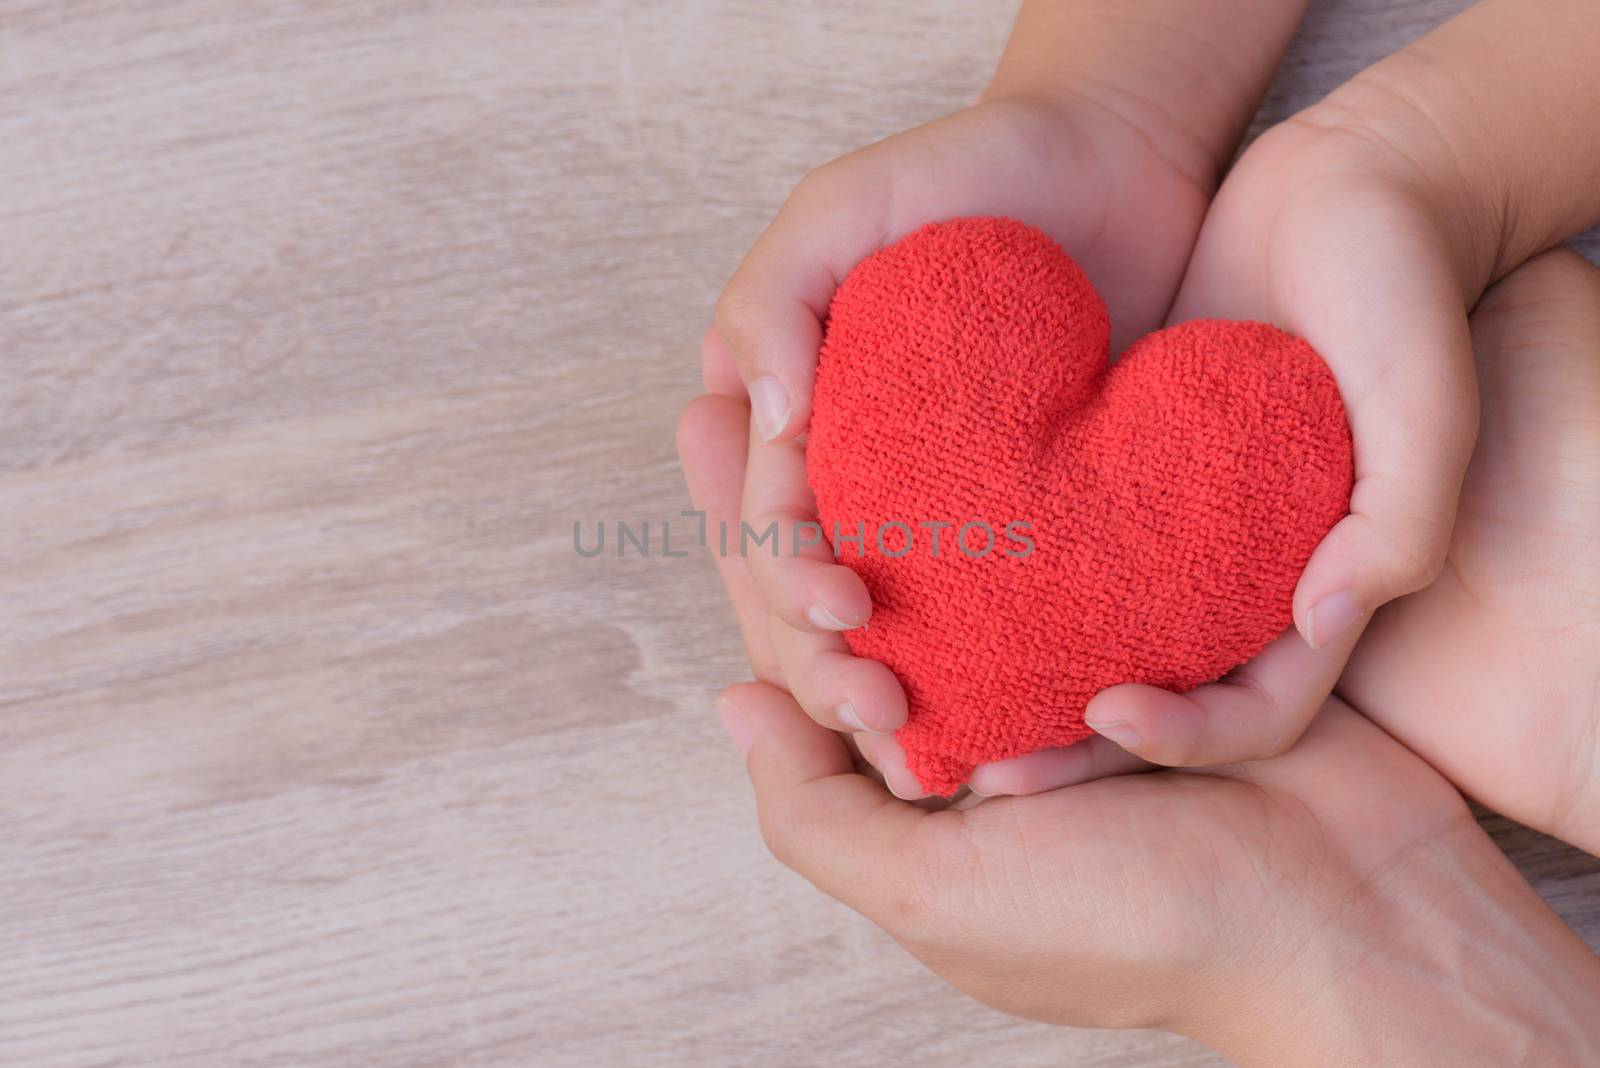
x=769 y=316
x=1383 y=549
x=1411 y=395
x=843 y=832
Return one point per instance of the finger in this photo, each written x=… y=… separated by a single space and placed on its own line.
x=712 y=442
x=1051 y=769
x=1399 y=345
x=840 y=691
x=786 y=548
x=884 y=752
x=770 y=314
x=1258 y=710
x=717 y=370
x=840 y=830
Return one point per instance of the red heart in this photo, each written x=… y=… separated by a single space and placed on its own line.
x=1172 y=500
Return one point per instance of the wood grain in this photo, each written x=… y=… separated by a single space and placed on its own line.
x=321 y=323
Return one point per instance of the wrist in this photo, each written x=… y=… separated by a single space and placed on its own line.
x=1448 y=958
x=1490 y=115
x=1375 y=131
x=1189 y=80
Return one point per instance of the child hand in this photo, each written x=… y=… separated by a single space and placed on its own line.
x=713 y=435
x=1369 y=224
x=1025 y=158
x=1115 y=160
x=1326 y=235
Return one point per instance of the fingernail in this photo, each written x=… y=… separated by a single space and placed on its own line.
x=909 y=795
x=1121 y=733
x=820 y=617
x=769 y=403
x=1332 y=617
x=847 y=715
x=904 y=785
x=734 y=723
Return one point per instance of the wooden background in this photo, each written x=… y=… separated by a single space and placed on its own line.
x=320 y=324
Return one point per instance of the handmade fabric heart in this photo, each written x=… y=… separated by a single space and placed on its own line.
x=1035 y=525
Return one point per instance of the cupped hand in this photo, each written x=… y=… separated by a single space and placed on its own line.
x=1326 y=230
x=1318 y=907
x=1321 y=906
x=1493 y=672
x=712 y=436
x=1116 y=184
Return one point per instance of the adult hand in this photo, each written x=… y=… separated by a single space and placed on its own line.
x=1334 y=905
x=1492 y=674
x=1320 y=906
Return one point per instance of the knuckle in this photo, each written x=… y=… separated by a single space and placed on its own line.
x=912 y=907
x=777 y=835
x=811 y=701
x=1185 y=751
x=908 y=913
x=766 y=665
x=1200 y=743
x=818 y=182
x=739 y=319
x=684 y=429
x=1282 y=726
x=1403 y=548
x=1276 y=744
x=694 y=420
x=711 y=356
x=1415 y=553
x=942 y=884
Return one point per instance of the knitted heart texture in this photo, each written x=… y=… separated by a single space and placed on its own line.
x=1035 y=524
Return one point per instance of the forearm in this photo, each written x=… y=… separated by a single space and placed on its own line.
x=1193 y=73
x=1494 y=113
x=1451 y=960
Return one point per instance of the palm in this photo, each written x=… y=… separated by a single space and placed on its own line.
x=1082 y=172
x=1524 y=553
x=1201 y=865
x=1314 y=234
x=1089 y=177
x=1519 y=599
x=1314 y=231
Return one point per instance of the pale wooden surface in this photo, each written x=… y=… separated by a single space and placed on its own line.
x=319 y=325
